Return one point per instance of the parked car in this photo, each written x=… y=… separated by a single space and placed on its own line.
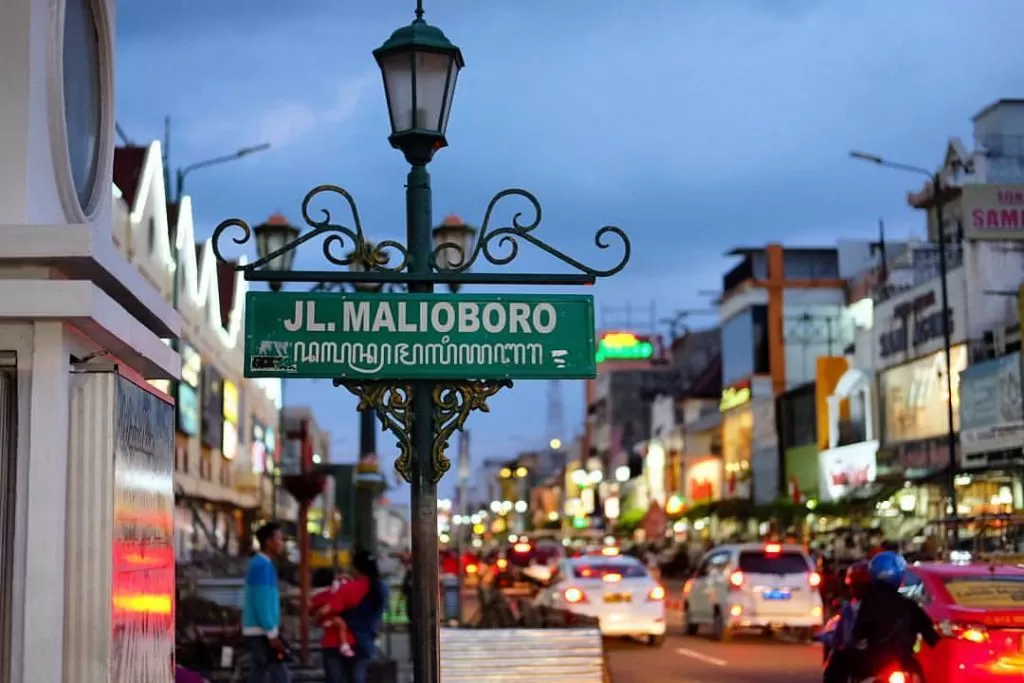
x=754 y=586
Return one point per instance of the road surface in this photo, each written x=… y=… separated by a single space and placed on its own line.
x=746 y=659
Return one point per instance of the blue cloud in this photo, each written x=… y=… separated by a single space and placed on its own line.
x=696 y=126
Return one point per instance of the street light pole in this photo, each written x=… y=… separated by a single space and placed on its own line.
x=421 y=402
x=938 y=201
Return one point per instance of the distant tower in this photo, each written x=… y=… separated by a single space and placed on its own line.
x=556 y=416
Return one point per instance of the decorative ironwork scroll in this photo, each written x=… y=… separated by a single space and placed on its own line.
x=393 y=405
x=342 y=247
x=507 y=239
x=453 y=402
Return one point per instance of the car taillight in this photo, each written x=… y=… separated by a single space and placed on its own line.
x=772 y=549
x=972 y=633
x=574 y=596
x=897 y=677
x=657 y=594
x=471 y=569
x=814 y=578
x=736 y=579
x=502 y=564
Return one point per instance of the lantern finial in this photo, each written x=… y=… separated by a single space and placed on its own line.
x=419 y=10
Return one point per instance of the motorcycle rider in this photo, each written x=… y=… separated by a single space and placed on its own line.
x=838 y=643
x=888 y=623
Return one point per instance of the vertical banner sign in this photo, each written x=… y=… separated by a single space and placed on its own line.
x=143 y=552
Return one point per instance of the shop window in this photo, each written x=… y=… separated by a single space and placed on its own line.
x=206 y=465
x=181 y=458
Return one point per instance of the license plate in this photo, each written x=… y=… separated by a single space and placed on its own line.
x=777 y=595
x=617 y=597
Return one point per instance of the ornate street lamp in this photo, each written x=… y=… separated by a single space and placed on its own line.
x=272 y=238
x=422 y=391
x=420 y=67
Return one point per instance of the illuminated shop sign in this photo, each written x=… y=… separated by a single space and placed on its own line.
x=623 y=346
x=191 y=366
x=229 y=430
x=188 y=410
x=734 y=397
x=231 y=402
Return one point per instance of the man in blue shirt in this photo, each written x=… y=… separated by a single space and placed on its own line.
x=261 y=610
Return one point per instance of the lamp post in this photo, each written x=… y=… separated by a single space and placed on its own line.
x=938 y=198
x=179 y=193
x=421 y=402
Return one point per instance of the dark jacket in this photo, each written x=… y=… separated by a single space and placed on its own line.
x=887 y=626
x=364 y=620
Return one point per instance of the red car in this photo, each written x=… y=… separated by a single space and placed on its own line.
x=978 y=610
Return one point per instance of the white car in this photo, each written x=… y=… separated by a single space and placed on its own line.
x=755 y=586
x=617 y=591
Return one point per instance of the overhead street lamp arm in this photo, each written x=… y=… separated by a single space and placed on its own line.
x=882 y=161
x=182 y=173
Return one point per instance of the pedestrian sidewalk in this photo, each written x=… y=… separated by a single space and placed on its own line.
x=393 y=645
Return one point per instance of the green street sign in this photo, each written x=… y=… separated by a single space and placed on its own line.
x=419 y=336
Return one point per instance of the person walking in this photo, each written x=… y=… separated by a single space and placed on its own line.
x=261 y=610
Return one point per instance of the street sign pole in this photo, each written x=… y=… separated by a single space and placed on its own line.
x=424 y=373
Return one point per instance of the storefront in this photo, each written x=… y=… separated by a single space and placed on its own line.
x=750 y=445
x=915 y=401
x=737 y=440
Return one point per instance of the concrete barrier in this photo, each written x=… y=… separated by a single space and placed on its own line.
x=514 y=655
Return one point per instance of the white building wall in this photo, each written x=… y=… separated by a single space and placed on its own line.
x=65 y=292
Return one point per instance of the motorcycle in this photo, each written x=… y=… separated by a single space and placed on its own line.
x=894 y=676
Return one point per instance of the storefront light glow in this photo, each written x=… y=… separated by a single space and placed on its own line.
x=622 y=473
x=521 y=506
x=623 y=346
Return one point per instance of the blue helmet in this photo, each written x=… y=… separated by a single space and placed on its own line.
x=888 y=567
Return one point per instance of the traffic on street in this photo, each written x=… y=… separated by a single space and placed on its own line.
x=449 y=341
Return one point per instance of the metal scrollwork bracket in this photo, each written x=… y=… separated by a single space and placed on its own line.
x=453 y=402
x=393 y=405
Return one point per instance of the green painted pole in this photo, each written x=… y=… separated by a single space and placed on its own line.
x=425 y=636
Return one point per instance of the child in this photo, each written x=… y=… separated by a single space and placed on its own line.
x=336 y=639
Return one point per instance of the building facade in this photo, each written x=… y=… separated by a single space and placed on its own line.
x=780 y=308
x=226 y=424
x=71 y=307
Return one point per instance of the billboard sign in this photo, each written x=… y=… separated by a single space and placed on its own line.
x=991 y=413
x=993 y=212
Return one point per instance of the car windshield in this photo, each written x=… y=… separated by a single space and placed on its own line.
x=788 y=562
x=996 y=591
x=599 y=570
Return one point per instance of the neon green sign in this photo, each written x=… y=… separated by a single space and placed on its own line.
x=623 y=346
